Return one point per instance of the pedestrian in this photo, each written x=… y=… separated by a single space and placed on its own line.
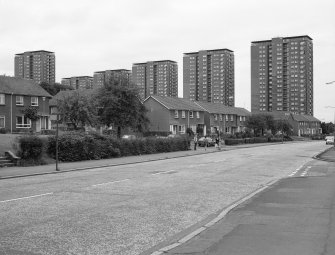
x=217 y=143
x=195 y=139
x=206 y=142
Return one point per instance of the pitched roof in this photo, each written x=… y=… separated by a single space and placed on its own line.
x=176 y=103
x=65 y=93
x=303 y=117
x=222 y=109
x=296 y=117
x=19 y=86
x=277 y=115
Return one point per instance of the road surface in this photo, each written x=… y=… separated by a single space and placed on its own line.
x=129 y=209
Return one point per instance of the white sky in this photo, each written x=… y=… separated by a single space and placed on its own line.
x=96 y=35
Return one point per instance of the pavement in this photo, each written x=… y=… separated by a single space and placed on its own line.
x=292 y=216
x=16 y=172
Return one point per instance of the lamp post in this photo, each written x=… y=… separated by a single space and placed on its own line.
x=57 y=169
x=328 y=83
x=333 y=123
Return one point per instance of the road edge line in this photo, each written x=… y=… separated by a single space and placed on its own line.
x=221 y=215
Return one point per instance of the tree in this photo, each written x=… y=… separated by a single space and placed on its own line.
x=77 y=108
x=257 y=123
x=31 y=113
x=53 y=89
x=120 y=106
x=283 y=126
x=327 y=128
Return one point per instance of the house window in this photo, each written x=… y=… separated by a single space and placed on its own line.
x=19 y=100
x=2 y=98
x=221 y=117
x=183 y=114
x=191 y=114
x=198 y=115
x=22 y=122
x=227 y=116
x=2 y=121
x=182 y=129
x=176 y=114
x=34 y=101
x=215 y=117
x=231 y=117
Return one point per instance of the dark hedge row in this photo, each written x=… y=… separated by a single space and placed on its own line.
x=81 y=146
x=252 y=140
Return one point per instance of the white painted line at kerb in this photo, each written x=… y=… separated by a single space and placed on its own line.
x=21 y=198
x=106 y=183
x=165 y=172
x=296 y=170
x=212 y=222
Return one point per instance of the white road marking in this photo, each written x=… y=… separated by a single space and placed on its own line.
x=165 y=172
x=21 y=198
x=106 y=183
x=212 y=222
x=304 y=173
x=296 y=171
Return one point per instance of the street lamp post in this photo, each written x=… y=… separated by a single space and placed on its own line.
x=57 y=169
x=333 y=123
x=328 y=83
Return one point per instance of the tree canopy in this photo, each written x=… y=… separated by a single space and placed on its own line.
x=327 y=128
x=121 y=107
x=78 y=109
x=260 y=122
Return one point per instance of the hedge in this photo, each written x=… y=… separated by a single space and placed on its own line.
x=74 y=146
x=30 y=147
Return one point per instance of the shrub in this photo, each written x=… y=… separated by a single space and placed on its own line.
x=260 y=139
x=74 y=146
x=233 y=141
x=3 y=131
x=48 y=132
x=30 y=147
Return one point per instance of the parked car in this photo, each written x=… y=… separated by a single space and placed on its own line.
x=128 y=137
x=174 y=136
x=330 y=140
x=202 y=141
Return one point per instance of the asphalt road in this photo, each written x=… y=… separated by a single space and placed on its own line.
x=129 y=209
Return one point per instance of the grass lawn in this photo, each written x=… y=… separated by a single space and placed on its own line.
x=6 y=142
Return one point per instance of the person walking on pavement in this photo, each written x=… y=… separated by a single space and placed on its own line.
x=206 y=142
x=195 y=139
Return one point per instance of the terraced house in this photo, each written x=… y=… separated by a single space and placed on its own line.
x=225 y=119
x=177 y=114
x=17 y=94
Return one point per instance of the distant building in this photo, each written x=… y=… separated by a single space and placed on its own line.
x=282 y=75
x=102 y=77
x=156 y=78
x=35 y=65
x=209 y=76
x=79 y=82
x=16 y=95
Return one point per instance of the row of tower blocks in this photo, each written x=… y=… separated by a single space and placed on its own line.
x=281 y=75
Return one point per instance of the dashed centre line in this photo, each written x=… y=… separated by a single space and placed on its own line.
x=106 y=183
x=165 y=172
x=21 y=198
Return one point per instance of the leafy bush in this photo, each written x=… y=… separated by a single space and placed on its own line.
x=260 y=139
x=233 y=141
x=30 y=147
x=74 y=146
x=3 y=131
x=275 y=139
x=48 y=132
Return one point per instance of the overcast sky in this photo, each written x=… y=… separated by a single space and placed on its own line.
x=89 y=36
